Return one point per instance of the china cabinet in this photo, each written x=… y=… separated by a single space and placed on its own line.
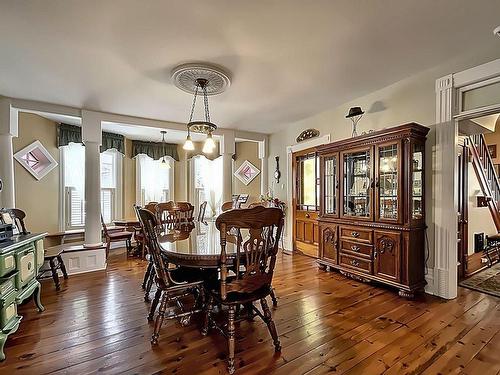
x=371 y=217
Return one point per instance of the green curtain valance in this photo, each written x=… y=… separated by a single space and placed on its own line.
x=67 y=134
x=155 y=150
x=112 y=140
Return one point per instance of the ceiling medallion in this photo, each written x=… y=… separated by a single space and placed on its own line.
x=204 y=80
x=185 y=77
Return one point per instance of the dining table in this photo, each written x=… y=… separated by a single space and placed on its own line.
x=196 y=245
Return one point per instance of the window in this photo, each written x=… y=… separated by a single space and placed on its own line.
x=307 y=182
x=154 y=179
x=73 y=157
x=207 y=183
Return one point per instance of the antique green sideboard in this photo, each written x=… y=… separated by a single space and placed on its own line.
x=20 y=260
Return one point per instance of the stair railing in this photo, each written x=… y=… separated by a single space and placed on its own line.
x=486 y=174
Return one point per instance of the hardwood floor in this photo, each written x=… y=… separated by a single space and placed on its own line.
x=327 y=323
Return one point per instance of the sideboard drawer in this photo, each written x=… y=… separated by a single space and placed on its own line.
x=356 y=263
x=7 y=263
x=356 y=234
x=356 y=248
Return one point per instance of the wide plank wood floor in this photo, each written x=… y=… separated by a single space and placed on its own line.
x=327 y=323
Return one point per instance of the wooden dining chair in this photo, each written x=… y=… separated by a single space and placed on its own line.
x=226 y=206
x=201 y=212
x=173 y=283
x=116 y=235
x=167 y=213
x=151 y=206
x=257 y=204
x=259 y=230
x=185 y=211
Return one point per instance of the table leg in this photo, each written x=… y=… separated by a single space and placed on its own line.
x=63 y=266
x=55 y=276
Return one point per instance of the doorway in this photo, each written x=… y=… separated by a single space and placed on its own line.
x=305 y=200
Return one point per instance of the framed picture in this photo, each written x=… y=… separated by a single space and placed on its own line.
x=246 y=172
x=493 y=151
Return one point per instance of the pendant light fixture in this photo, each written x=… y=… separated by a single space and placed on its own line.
x=200 y=80
x=164 y=162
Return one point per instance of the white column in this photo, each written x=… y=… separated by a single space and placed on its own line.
x=445 y=194
x=264 y=174
x=8 y=130
x=227 y=151
x=92 y=137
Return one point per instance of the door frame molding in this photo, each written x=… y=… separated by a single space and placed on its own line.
x=443 y=280
x=289 y=179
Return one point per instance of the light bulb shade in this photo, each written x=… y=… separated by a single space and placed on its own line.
x=209 y=142
x=188 y=145
x=207 y=149
x=164 y=163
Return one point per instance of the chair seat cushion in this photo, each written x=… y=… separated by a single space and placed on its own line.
x=234 y=298
x=186 y=274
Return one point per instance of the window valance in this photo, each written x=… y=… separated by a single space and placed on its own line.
x=67 y=134
x=155 y=150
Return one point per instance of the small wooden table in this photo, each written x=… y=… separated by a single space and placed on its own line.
x=53 y=257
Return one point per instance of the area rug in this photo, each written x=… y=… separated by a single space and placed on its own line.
x=487 y=281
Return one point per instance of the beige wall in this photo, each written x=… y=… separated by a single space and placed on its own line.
x=410 y=100
x=247 y=151
x=39 y=199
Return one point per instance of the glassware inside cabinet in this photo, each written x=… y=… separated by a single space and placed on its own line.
x=417 y=199
x=331 y=185
x=387 y=183
x=357 y=179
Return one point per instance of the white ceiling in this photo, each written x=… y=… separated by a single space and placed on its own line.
x=289 y=59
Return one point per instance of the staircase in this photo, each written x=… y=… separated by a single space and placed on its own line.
x=486 y=174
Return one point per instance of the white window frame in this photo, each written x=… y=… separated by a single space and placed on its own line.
x=168 y=194
x=117 y=202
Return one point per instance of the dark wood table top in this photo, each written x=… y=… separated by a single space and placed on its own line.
x=195 y=245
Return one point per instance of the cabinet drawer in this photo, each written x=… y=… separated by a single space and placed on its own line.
x=26 y=268
x=357 y=234
x=356 y=248
x=7 y=263
x=8 y=312
x=7 y=285
x=356 y=263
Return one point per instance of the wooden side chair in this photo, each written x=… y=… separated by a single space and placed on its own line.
x=17 y=217
x=201 y=212
x=172 y=283
x=116 y=236
x=259 y=230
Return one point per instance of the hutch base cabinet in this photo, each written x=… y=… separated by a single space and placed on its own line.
x=372 y=220
x=20 y=260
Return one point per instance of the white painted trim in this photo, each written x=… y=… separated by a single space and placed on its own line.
x=444 y=278
x=308 y=144
x=478 y=73
x=85 y=261
x=288 y=243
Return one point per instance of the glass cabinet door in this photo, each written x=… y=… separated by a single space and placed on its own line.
x=330 y=187
x=417 y=182
x=357 y=177
x=388 y=182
